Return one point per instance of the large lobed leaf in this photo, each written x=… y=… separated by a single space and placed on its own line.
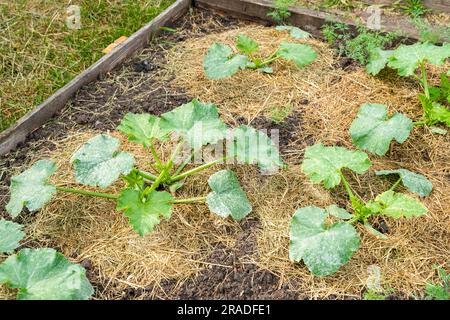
x=323 y=248
x=300 y=54
x=377 y=60
x=373 y=130
x=31 y=188
x=10 y=235
x=44 y=274
x=99 y=163
x=251 y=146
x=227 y=197
x=142 y=128
x=145 y=214
x=412 y=181
x=325 y=163
x=220 y=62
x=406 y=58
x=197 y=122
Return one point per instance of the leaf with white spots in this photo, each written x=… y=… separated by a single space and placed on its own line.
x=323 y=248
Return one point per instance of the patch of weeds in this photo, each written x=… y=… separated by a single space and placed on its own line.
x=440 y=291
x=356 y=47
x=414 y=8
x=281 y=11
x=432 y=33
x=342 y=4
x=279 y=113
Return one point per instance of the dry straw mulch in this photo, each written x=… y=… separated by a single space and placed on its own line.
x=406 y=259
x=327 y=99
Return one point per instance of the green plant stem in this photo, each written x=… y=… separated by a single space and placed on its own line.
x=424 y=79
x=419 y=123
x=155 y=155
x=88 y=193
x=183 y=165
x=395 y=184
x=147 y=175
x=197 y=169
x=190 y=200
x=269 y=60
x=164 y=172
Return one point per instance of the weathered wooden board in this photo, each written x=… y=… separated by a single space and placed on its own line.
x=310 y=20
x=17 y=133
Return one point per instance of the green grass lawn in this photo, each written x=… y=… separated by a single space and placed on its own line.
x=39 y=54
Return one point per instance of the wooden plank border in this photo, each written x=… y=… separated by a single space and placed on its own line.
x=11 y=137
x=310 y=20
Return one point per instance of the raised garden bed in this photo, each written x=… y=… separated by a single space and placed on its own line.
x=196 y=254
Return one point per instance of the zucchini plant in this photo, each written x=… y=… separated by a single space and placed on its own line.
x=39 y=274
x=411 y=60
x=324 y=247
x=221 y=61
x=145 y=198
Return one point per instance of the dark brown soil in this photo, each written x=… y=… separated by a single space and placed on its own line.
x=102 y=104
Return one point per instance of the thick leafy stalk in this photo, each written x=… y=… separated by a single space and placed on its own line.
x=190 y=200
x=183 y=165
x=147 y=175
x=356 y=202
x=164 y=172
x=155 y=155
x=197 y=169
x=395 y=184
x=424 y=79
x=89 y=193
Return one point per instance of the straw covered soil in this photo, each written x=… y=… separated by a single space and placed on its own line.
x=198 y=255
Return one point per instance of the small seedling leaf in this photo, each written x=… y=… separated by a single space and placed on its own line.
x=10 y=235
x=197 y=122
x=227 y=197
x=142 y=128
x=253 y=146
x=323 y=248
x=145 y=215
x=295 y=32
x=397 y=205
x=325 y=163
x=31 y=188
x=337 y=212
x=220 y=62
x=373 y=130
x=44 y=274
x=246 y=45
x=414 y=182
x=375 y=232
x=99 y=163
x=300 y=54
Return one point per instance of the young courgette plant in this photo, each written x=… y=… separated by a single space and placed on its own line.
x=221 y=61
x=39 y=274
x=324 y=247
x=144 y=200
x=411 y=60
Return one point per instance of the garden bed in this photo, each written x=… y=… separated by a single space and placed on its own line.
x=197 y=255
